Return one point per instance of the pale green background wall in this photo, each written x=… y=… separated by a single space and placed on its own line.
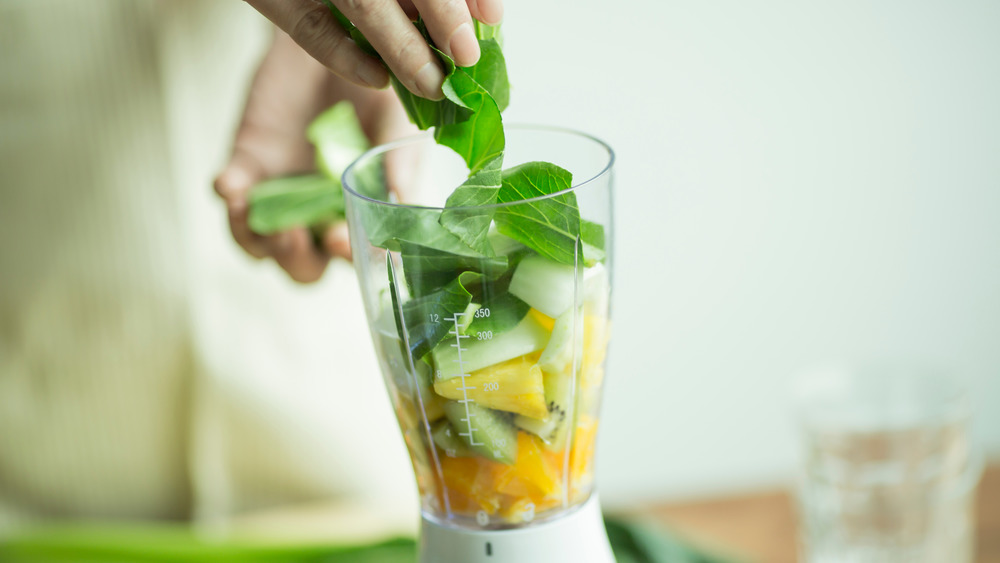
x=797 y=182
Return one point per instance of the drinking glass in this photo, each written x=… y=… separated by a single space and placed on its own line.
x=889 y=467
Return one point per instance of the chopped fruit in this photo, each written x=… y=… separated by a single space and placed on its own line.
x=581 y=457
x=472 y=479
x=557 y=358
x=533 y=483
x=532 y=477
x=543 y=319
x=512 y=386
x=448 y=440
x=485 y=348
x=433 y=406
x=487 y=432
x=554 y=426
x=596 y=333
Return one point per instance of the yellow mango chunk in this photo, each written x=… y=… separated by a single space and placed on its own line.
x=512 y=386
x=533 y=476
x=471 y=483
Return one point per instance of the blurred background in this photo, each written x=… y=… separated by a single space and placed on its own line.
x=795 y=184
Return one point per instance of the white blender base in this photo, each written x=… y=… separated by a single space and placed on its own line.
x=578 y=537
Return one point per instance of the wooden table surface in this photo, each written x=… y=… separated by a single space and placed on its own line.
x=762 y=527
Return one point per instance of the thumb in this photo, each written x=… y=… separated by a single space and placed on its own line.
x=241 y=173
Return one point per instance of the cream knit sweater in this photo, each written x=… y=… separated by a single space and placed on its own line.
x=147 y=367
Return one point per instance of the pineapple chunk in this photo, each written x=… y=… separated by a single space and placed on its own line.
x=512 y=386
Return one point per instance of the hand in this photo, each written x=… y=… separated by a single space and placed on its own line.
x=388 y=26
x=289 y=90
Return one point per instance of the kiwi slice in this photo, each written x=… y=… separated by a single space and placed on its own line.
x=554 y=428
x=485 y=431
x=447 y=439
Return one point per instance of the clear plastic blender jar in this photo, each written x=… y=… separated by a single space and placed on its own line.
x=494 y=363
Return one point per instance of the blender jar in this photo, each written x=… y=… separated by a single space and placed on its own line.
x=494 y=363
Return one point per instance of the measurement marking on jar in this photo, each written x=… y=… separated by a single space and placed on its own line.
x=455 y=318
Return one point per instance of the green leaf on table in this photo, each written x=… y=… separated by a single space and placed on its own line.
x=469 y=209
x=427 y=268
x=338 y=137
x=425 y=316
x=549 y=226
x=290 y=202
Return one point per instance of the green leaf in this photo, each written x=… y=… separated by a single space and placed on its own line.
x=311 y=200
x=505 y=312
x=425 y=317
x=386 y=225
x=484 y=31
x=549 y=226
x=423 y=113
x=479 y=138
x=338 y=138
x=465 y=215
x=290 y=202
x=491 y=72
x=592 y=236
x=427 y=269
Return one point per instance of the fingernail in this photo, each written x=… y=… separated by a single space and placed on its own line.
x=464 y=46
x=491 y=12
x=429 y=79
x=372 y=74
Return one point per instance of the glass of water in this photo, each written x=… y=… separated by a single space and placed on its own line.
x=889 y=466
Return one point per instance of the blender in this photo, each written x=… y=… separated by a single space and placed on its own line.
x=494 y=361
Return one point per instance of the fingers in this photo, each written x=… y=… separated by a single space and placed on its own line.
x=388 y=27
x=487 y=11
x=313 y=27
x=293 y=250
x=337 y=242
x=403 y=49
x=450 y=26
x=296 y=253
x=233 y=185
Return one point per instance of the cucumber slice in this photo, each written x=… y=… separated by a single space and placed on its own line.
x=485 y=348
x=558 y=354
x=545 y=285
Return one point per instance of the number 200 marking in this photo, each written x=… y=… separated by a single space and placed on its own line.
x=491 y=386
